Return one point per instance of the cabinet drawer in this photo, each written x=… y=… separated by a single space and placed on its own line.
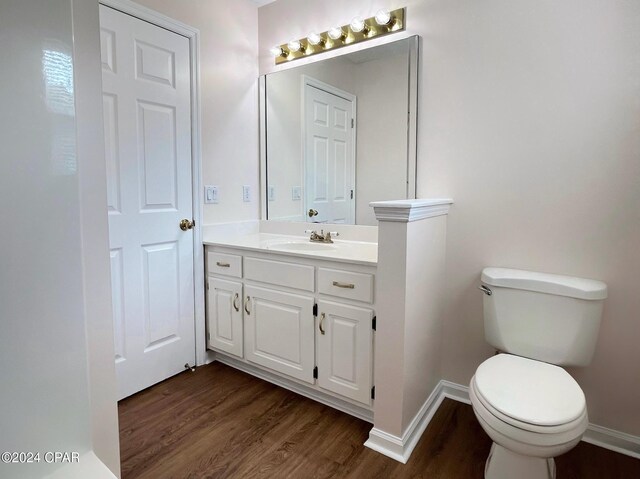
x=298 y=276
x=226 y=264
x=346 y=284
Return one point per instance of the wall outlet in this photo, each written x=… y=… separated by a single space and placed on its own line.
x=210 y=194
x=296 y=193
x=272 y=193
x=246 y=193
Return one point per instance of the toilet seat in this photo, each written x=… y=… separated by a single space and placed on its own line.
x=529 y=394
x=524 y=438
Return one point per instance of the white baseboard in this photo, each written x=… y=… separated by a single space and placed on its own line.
x=613 y=440
x=600 y=436
x=319 y=396
x=400 y=448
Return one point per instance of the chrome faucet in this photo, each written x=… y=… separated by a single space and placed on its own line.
x=321 y=237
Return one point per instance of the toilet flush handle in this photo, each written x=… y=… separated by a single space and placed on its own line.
x=485 y=290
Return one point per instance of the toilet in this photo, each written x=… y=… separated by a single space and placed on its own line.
x=530 y=407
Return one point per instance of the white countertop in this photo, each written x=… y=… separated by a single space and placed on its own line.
x=358 y=252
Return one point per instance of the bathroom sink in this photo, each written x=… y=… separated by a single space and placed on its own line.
x=301 y=246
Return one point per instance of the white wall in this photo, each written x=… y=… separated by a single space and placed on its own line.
x=229 y=99
x=50 y=272
x=529 y=118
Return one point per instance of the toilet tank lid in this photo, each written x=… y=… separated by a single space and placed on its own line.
x=571 y=286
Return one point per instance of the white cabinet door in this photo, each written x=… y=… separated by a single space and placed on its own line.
x=224 y=316
x=279 y=331
x=344 y=350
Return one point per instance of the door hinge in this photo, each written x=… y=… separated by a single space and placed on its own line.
x=351 y=194
x=315 y=309
x=373 y=392
x=315 y=372
x=373 y=323
x=353 y=122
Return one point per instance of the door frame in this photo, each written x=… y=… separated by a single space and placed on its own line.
x=193 y=35
x=307 y=80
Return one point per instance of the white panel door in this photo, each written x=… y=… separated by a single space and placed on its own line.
x=279 y=331
x=344 y=347
x=147 y=127
x=224 y=316
x=329 y=156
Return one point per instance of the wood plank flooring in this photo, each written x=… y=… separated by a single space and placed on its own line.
x=222 y=423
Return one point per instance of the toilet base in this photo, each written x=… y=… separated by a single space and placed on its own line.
x=505 y=464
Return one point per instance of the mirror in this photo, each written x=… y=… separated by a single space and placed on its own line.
x=340 y=133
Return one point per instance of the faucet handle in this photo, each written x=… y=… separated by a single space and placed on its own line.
x=333 y=233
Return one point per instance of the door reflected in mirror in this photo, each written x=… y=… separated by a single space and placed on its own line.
x=340 y=133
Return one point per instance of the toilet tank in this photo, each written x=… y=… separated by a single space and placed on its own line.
x=542 y=316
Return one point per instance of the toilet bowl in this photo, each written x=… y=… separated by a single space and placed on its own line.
x=533 y=411
x=530 y=407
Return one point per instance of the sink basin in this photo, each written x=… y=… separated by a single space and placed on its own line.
x=301 y=246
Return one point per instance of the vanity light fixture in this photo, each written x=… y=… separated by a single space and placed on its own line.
x=383 y=23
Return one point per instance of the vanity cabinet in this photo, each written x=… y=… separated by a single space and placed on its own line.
x=224 y=300
x=343 y=348
x=279 y=331
x=309 y=320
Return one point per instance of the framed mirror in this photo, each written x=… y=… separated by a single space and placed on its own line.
x=340 y=133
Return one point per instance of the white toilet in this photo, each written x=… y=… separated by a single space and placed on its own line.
x=532 y=409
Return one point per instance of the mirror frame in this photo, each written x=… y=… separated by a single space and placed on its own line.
x=412 y=130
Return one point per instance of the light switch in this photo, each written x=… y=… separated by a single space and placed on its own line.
x=296 y=193
x=210 y=194
x=246 y=193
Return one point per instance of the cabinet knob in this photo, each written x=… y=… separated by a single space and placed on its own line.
x=246 y=305
x=312 y=213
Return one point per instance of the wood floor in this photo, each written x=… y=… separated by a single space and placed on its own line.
x=218 y=422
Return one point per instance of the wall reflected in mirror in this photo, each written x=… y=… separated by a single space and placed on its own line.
x=338 y=135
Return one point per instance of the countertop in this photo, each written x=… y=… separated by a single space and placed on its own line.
x=355 y=252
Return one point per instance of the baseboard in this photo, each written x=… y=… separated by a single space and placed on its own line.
x=331 y=401
x=613 y=440
x=600 y=436
x=400 y=448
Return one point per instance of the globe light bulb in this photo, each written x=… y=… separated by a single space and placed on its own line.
x=358 y=25
x=314 y=39
x=277 y=51
x=383 y=17
x=294 y=45
x=336 y=33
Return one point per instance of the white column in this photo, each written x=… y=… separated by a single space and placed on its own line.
x=409 y=298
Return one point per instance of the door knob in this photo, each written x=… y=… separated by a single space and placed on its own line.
x=185 y=224
x=312 y=213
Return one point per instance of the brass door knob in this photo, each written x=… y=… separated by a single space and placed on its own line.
x=185 y=224
x=312 y=213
